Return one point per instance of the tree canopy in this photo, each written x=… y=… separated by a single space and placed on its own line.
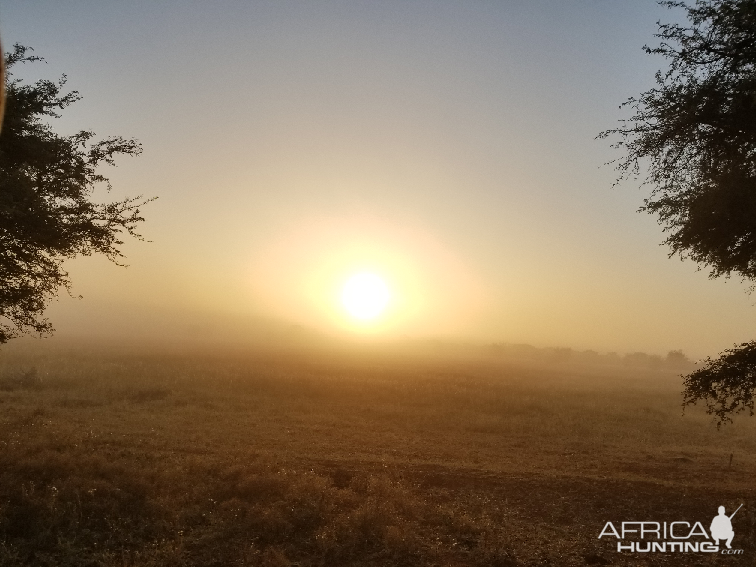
x=725 y=384
x=694 y=136
x=696 y=133
x=47 y=214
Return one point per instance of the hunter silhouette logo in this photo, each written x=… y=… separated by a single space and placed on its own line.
x=675 y=537
x=721 y=527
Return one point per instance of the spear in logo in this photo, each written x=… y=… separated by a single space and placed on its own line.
x=736 y=511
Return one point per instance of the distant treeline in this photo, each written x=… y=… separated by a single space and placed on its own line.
x=673 y=359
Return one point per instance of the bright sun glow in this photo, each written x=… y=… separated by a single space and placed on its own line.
x=365 y=296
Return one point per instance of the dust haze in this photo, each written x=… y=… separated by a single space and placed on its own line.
x=311 y=450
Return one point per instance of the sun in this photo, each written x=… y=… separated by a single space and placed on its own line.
x=365 y=296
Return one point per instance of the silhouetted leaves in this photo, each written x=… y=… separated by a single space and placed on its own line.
x=46 y=211
x=696 y=133
x=725 y=384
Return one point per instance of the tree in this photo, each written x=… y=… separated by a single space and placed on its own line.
x=2 y=88
x=726 y=384
x=47 y=214
x=694 y=133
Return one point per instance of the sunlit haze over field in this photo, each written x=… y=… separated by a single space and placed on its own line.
x=374 y=171
x=391 y=306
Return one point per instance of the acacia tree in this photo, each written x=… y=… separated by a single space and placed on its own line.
x=694 y=137
x=47 y=214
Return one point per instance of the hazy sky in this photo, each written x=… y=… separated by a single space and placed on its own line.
x=448 y=146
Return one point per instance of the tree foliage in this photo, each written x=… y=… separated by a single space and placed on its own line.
x=47 y=214
x=726 y=384
x=694 y=133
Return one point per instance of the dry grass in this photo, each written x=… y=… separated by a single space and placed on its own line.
x=351 y=459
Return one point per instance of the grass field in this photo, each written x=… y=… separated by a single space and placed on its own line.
x=369 y=457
